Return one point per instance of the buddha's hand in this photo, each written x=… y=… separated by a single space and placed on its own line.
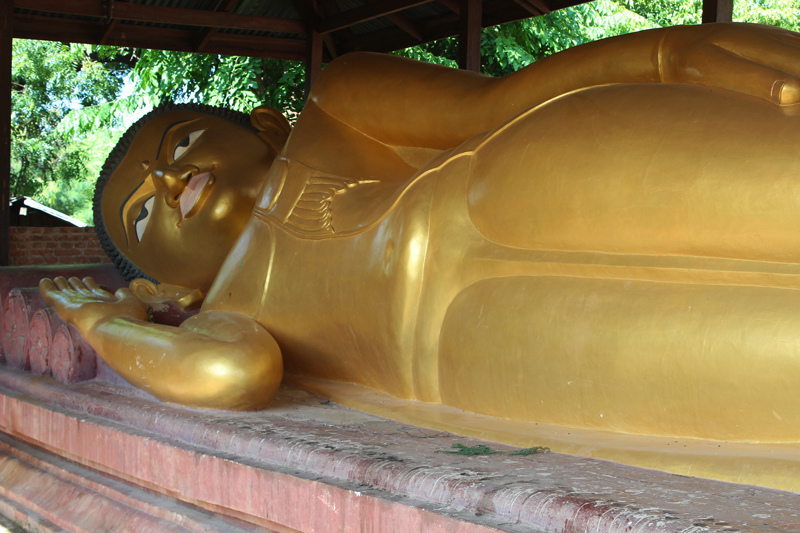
x=152 y=293
x=762 y=61
x=84 y=304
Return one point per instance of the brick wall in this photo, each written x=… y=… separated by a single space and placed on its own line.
x=54 y=246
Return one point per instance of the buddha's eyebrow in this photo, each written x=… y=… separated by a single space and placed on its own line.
x=125 y=202
x=164 y=135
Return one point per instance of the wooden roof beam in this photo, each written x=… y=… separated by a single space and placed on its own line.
x=111 y=22
x=444 y=26
x=320 y=8
x=109 y=31
x=541 y=6
x=330 y=44
x=364 y=13
x=405 y=24
x=165 y=15
x=208 y=32
x=528 y=6
x=178 y=40
x=452 y=5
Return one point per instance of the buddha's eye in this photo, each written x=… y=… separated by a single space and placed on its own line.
x=140 y=224
x=186 y=143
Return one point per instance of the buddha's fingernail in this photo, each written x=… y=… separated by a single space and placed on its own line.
x=786 y=92
x=777 y=89
x=790 y=92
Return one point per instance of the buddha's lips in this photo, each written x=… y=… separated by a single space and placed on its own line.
x=192 y=192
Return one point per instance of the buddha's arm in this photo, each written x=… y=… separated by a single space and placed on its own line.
x=406 y=103
x=215 y=359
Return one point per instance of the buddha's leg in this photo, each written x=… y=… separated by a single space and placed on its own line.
x=664 y=334
x=708 y=361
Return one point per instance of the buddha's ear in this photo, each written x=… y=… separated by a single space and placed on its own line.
x=272 y=126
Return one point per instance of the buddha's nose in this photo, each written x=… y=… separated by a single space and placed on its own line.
x=173 y=180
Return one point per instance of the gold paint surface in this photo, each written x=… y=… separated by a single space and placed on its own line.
x=154 y=294
x=606 y=240
x=185 y=249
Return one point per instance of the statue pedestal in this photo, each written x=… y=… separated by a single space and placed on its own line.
x=96 y=456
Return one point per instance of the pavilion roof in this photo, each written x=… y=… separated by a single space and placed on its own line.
x=259 y=28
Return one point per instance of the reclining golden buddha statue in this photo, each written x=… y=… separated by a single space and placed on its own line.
x=607 y=239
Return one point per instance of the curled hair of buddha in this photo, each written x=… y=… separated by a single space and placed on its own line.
x=276 y=133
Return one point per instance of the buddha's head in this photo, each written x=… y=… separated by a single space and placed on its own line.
x=179 y=187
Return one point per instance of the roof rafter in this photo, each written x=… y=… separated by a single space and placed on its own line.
x=209 y=32
x=405 y=24
x=394 y=39
x=529 y=7
x=320 y=8
x=178 y=40
x=541 y=6
x=274 y=29
x=452 y=5
x=366 y=12
x=165 y=15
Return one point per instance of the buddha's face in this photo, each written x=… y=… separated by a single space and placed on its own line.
x=183 y=193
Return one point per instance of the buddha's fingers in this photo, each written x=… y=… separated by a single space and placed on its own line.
x=780 y=85
x=755 y=60
x=84 y=305
x=126 y=295
x=92 y=285
x=726 y=69
x=50 y=291
x=46 y=286
x=61 y=283
x=54 y=291
x=773 y=47
x=79 y=286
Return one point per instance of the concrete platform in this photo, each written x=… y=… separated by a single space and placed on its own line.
x=97 y=456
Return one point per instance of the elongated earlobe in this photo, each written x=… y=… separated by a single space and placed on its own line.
x=272 y=125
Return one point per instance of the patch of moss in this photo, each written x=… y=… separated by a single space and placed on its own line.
x=529 y=451
x=478 y=449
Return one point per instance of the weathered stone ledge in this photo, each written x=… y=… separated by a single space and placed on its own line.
x=309 y=465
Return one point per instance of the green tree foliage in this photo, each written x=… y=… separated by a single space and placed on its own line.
x=68 y=106
x=668 y=12
x=49 y=80
x=781 y=13
x=509 y=47
x=239 y=83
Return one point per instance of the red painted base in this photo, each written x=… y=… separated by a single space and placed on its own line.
x=96 y=454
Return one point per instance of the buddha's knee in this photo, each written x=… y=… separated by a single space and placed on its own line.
x=654 y=169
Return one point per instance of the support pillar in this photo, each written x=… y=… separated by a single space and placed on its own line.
x=6 y=33
x=469 y=37
x=313 y=58
x=717 y=11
